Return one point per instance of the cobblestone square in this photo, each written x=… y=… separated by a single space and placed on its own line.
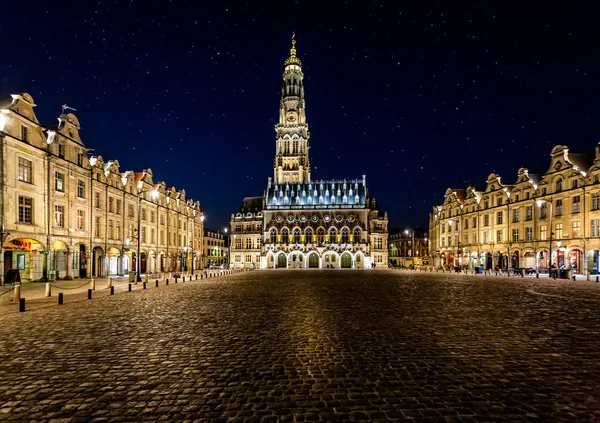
x=311 y=346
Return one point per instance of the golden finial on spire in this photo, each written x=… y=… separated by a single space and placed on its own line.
x=293 y=59
x=293 y=50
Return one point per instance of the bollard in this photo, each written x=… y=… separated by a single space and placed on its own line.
x=112 y=290
x=175 y=280
x=109 y=284
x=144 y=285
x=574 y=278
x=183 y=279
x=129 y=287
x=537 y=275
x=22 y=305
x=48 y=289
x=522 y=273
x=196 y=277
x=167 y=282
x=93 y=284
x=596 y=278
x=89 y=294
x=588 y=276
x=157 y=283
x=60 y=298
x=17 y=293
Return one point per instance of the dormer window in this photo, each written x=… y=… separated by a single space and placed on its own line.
x=24 y=133
x=79 y=159
x=559 y=185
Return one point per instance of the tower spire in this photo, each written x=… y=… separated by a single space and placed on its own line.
x=291 y=147
x=293 y=59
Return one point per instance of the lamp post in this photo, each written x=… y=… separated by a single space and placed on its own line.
x=191 y=249
x=539 y=204
x=138 y=276
x=3 y=237
x=202 y=242
x=228 y=244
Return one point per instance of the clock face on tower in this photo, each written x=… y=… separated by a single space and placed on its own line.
x=291 y=117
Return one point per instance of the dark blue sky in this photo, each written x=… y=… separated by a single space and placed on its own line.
x=415 y=96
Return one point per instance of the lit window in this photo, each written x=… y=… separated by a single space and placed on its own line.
x=25 y=168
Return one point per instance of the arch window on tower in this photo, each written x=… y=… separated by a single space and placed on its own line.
x=332 y=235
x=321 y=235
x=273 y=236
x=284 y=236
x=357 y=233
x=309 y=235
x=297 y=236
x=295 y=146
x=345 y=236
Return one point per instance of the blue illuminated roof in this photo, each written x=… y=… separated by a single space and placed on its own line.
x=347 y=193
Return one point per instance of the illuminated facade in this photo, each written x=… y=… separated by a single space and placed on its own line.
x=213 y=248
x=69 y=215
x=516 y=225
x=301 y=223
x=408 y=247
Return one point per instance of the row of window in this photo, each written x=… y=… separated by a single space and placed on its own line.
x=249 y=227
x=516 y=236
x=516 y=213
x=238 y=258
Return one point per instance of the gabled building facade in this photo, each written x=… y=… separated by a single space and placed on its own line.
x=539 y=221
x=67 y=215
x=300 y=223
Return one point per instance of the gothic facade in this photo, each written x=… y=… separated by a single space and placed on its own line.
x=301 y=223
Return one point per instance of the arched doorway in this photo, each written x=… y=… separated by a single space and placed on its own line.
x=573 y=260
x=359 y=259
x=542 y=261
x=113 y=256
x=528 y=260
x=58 y=258
x=313 y=260
x=27 y=256
x=82 y=261
x=282 y=261
x=270 y=261
x=346 y=261
x=97 y=262
x=514 y=260
x=593 y=262
x=296 y=260
x=330 y=261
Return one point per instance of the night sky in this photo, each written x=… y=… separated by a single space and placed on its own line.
x=416 y=97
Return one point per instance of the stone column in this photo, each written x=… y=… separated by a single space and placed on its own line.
x=69 y=255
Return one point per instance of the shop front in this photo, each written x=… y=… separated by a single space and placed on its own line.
x=27 y=256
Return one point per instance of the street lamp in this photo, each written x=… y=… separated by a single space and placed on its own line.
x=228 y=245
x=154 y=194
x=3 y=237
x=202 y=242
x=539 y=204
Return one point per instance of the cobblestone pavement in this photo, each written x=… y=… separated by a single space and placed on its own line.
x=309 y=346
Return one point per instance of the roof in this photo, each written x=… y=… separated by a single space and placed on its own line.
x=351 y=193
x=251 y=205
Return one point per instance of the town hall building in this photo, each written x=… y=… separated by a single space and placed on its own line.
x=303 y=223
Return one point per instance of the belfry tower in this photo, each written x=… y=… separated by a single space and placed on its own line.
x=291 y=151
